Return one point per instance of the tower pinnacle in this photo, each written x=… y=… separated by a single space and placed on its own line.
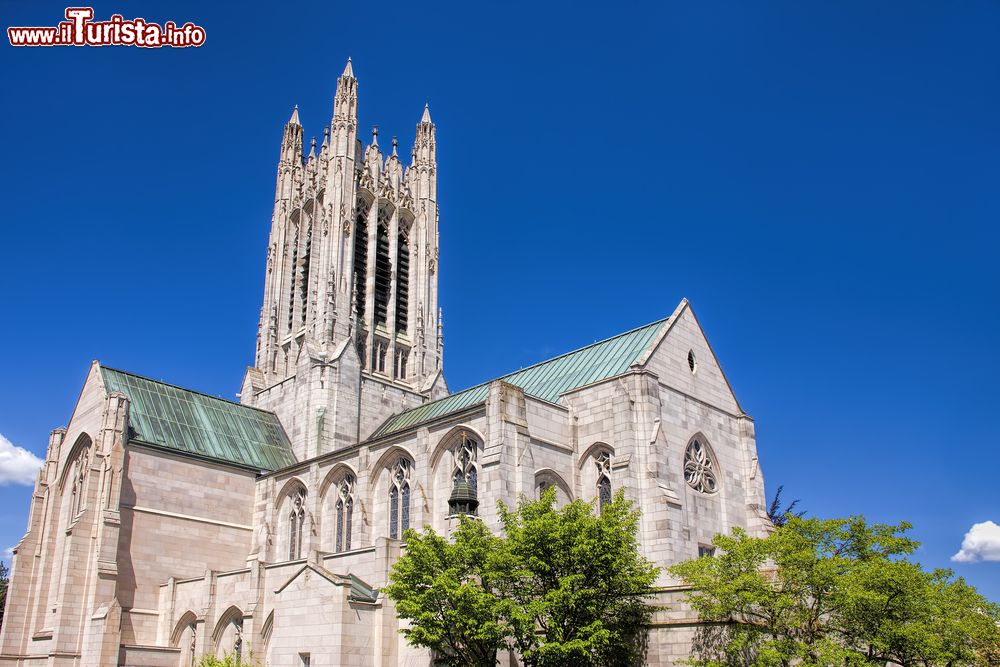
x=426 y=118
x=348 y=70
x=294 y=120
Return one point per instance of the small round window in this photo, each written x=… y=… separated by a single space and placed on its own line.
x=692 y=362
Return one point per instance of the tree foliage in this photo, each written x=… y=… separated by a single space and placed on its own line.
x=4 y=581
x=445 y=589
x=227 y=660
x=777 y=514
x=563 y=586
x=833 y=592
x=574 y=585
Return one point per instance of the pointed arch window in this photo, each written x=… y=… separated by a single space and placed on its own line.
x=292 y=274
x=360 y=257
x=345 y=513
x=465 y=468
x=465 y=478
x=402 y=282
x=303 y=271
x=383 y=269
x=399 y=498
x=296 y=524
x=603 y=463
x=700 y=470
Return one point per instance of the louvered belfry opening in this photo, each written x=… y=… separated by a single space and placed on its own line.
x=291 y=286
x=361 y=257
x=402 y=283
x=383 y=269
x=304 y=278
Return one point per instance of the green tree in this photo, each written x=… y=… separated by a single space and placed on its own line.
x=833 y=592
x=228 y=660
x=895 y=612
x=778 y=514
x=4 y=580
x=574 y=584
x=562 y=586
x=445 y=588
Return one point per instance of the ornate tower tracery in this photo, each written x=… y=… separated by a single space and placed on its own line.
x=352 y=256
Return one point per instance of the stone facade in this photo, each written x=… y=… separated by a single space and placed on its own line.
x=147 y=556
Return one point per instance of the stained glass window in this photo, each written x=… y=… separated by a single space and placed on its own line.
x=399 y=498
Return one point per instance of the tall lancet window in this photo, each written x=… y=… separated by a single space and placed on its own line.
x=361 y=258
x=399 y=498
x=383 y=269
x=603 y=463
x=304 y=277
x=465 y=463
x=345 y=513
x=293 y=271
x=402 y=282
x=464 y=477
x=296 y=524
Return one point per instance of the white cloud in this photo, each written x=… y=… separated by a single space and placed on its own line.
x=982 y=542
x=17 y=464
x=8 y=553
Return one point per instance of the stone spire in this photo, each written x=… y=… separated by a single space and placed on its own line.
x=352 y=257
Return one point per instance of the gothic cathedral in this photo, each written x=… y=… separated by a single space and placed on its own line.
x=167 y=524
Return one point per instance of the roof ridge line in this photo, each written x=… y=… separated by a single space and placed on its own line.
x=177 y=386
x=525 y=368
x=579 y=349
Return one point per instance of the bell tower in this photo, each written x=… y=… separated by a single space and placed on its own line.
x=350 y=308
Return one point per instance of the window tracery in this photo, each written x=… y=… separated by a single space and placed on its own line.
x=345 y=513
x=399 y=498
x=464 y=455
x=699 y=468
x=296 y=524
x=464 y=478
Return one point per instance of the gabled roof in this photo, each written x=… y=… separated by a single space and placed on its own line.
x=189 y=422
x=359 y=590
x=546 y=380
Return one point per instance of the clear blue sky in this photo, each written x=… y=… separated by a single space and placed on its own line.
x=820 y=179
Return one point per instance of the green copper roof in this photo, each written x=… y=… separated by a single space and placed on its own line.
x=191 y=423
x=546 y=380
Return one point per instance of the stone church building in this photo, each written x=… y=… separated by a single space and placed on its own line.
x=167 y=524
